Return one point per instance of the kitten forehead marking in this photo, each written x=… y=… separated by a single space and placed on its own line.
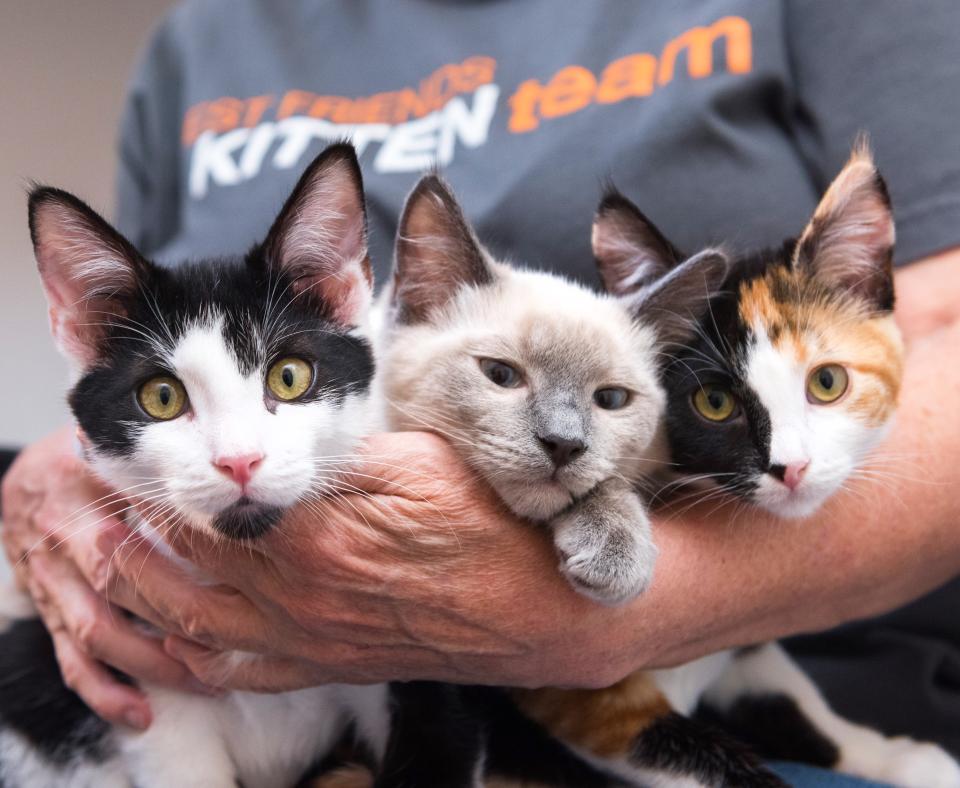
x=228 y=399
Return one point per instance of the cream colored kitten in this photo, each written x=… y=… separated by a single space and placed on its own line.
x=549 y=390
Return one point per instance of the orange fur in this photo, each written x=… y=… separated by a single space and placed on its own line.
x=605 y=722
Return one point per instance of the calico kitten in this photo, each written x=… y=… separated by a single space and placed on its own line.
x=214 y=393
x=549 y=390
x=791 y=381
x=794 y=378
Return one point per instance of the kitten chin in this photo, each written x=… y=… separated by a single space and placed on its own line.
x=246 y=519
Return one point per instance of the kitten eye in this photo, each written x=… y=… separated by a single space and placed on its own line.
x=714 y=403
x=612 y=398
x=502 y=374
x=289 y=378
x=162 y=398
x=827 y=383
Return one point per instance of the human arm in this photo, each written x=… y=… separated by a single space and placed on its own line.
x=451 y=588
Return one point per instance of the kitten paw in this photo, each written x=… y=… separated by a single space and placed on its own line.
x=607 y=553
x=907 y=763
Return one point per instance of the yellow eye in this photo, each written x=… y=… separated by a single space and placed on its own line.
x=289 y=378
x=827 y=383
x=162 y=397
x=714 y=403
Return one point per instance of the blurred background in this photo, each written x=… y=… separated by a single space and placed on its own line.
x=65 y=67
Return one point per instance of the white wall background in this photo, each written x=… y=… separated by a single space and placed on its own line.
x=63 y=68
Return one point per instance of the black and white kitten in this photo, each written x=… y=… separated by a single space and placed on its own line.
x=219 y=394
x=212 y=392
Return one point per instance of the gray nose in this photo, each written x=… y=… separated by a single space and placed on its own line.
x=562 y=450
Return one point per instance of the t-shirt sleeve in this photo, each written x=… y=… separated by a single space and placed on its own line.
x=148 y=146
x=890 y=69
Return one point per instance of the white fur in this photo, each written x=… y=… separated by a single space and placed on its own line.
x=228 y=417
x=262 y=741
x=685 y=684
x=828 y=438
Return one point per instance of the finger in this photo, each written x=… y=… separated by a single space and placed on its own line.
x=152 y=587
x=250 y=674
x=104 y=633
x=21 y=573
x=110 y=699
x=83 y=549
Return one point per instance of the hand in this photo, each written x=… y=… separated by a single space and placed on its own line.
x=419 y=573
x=52 y=506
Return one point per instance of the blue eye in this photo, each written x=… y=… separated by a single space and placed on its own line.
x=502 y=374
x=612 y=398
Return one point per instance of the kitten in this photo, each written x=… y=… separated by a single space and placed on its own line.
x=488 y=354
x=219 y=394
x=794 y=377
x=550 y=391
x=790 y=383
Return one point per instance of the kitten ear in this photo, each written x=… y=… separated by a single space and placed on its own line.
x=319 y=239
x=630 y=251
x=677 y=302
x=87 y=268
x=437 y=252
x=848 y=244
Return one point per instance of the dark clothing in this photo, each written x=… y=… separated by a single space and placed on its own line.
x=724 y=120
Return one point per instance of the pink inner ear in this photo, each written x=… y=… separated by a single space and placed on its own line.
x=347 y=291
x=82 y=271
x=322 y=243
x=625 y=257
x=852 y=232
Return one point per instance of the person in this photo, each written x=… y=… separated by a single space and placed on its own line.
x=724 y=121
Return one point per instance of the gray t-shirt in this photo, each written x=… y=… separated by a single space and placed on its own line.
x=723 y=119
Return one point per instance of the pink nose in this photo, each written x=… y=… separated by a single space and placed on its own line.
x=239 y=467
x=794 y=473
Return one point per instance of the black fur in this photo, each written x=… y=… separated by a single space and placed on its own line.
x=775 y=727
x=737 y=451
x=434 y=739
x=36 y=703
x=521 y=749
x=684 y=746
x=441 y=733
x=247 y=520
